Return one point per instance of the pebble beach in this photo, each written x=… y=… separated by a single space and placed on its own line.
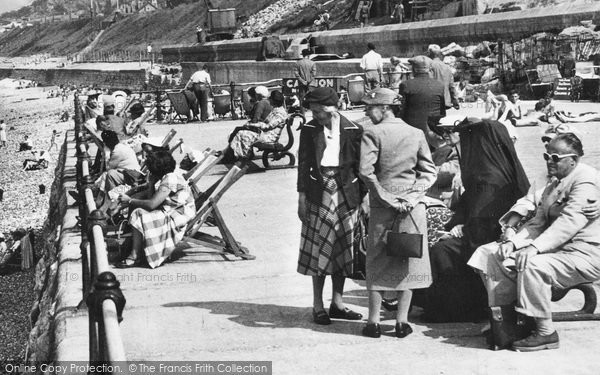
x=24 y=206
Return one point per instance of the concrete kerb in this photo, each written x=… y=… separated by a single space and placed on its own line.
x=71 y=338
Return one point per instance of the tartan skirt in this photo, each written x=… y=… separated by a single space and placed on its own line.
x=326 y=242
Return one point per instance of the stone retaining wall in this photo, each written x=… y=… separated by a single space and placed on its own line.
x=406 y=39
x=112 y=79
x=59 y=329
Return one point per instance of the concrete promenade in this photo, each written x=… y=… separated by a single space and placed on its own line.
x=200 y=307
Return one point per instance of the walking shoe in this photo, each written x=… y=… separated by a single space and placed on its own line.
x=536 y=342
x=345 y=314
x=321 y=317
x=403 y=330
x=372 y=330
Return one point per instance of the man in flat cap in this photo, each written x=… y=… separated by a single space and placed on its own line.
x=443 y=73
x=423 y=98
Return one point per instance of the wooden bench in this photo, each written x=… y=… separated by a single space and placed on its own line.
x=589 y=305
x=275 y=151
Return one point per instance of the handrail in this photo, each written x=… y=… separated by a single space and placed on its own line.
x=101 y=292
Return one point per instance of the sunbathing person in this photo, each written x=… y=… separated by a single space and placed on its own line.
x=583 y=117
x=160 y=213
x=538 y=117
x=499 y=108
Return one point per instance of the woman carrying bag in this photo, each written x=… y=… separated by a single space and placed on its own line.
x=397 y=168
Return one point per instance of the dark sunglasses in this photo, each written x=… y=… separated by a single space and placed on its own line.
x=556 y=157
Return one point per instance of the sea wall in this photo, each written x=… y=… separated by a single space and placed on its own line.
x=59 y=328
x=407 y=39
x=105 y=78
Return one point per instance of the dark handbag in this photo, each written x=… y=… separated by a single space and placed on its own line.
x=507 y=326
x=359 y=248
x=402 y=244
x=119 y=241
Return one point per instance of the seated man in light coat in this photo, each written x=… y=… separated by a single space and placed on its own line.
x=558 y=247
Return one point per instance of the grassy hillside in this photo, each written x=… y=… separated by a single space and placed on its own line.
x=166 y=27
x=57 y=38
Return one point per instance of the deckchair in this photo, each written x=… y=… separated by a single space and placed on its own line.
x=180 y=105
x=100 y=158
x=208 y=211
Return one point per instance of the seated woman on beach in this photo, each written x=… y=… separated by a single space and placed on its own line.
x=268 y=131
x=160 y=213
x=262 y=106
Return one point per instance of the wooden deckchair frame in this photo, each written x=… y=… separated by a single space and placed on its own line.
x=180 y=105
x=165 y=143
x=206 y=204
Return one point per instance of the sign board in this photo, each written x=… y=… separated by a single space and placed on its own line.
x=290 y=86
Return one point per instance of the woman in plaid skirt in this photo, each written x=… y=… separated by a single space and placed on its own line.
x=158 y=219
x=329 y=195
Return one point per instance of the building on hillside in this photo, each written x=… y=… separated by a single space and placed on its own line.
x=147 y=6
x=126 y=9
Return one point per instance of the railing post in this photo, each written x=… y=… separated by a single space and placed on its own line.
x=159 y=115
x=232 y=99
x=106 y=287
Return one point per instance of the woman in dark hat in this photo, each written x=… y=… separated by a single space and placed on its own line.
x=493 y=179
x=396 y=166
x=329 y=194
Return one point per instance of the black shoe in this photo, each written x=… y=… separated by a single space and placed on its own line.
x=390 y=304
x=403 y=330
x=372 y=330
x=536 y=342
x=321 y=317
x=345 y=314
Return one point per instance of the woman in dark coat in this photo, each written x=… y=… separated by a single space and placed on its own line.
x=493 y=179
x=329 y=194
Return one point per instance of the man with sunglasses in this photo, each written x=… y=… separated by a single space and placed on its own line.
x=558 y=247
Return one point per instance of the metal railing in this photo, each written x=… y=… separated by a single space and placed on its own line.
x=101 y=289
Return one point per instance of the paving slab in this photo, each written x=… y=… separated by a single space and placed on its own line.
x=200 y=307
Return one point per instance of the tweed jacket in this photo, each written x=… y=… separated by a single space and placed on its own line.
x=395 y=163
x=443 y=73
x=310 y=153
x=423 y=97
x=559 y=218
